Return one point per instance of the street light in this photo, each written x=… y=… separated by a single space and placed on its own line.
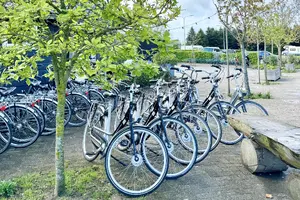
x=184 y=30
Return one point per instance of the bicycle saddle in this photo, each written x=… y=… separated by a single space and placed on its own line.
x=7 y=91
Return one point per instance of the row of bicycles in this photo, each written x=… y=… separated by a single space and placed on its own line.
x=151 y=134
x=26 y=116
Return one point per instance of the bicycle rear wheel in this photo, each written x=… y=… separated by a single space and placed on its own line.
x=26 y=125
x=128 y=170
x=80 y=106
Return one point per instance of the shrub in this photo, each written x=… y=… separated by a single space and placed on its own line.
x=253 y=58
x=182 y=55
x=271 y=62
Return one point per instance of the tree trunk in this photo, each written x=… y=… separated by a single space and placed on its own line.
x=246 y=78
x=279 y=56
x=258 y=61
x=59 y=144
x=265 y=66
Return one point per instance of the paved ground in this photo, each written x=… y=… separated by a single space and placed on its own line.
x=219 y=177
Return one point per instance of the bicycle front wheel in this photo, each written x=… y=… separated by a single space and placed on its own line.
x=5 y=132
x=200 y=129
x=222 y=110
x=128 y=169
x=251 y=108
x=180 y=142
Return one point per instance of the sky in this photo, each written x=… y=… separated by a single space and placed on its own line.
x=200 y=11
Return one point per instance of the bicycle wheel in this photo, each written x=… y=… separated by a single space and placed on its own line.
x=80 y=106
x=5 y=132
x=180 y=142
x=48 y=106
x=251 y=108
x=94 y=95
x=128 y=170
x=41 y=116
x=92 y=143
x=26 y=125
x=200 y=129
x=222 y=109
x=212 y=121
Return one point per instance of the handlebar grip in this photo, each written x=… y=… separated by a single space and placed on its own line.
x=185 y=78
x=204 y=78
x=174 y=81
x=238 y=69
x=153 y=81
x=174 y=68
x=198 y=70
x=186 y=66
x=231 y=76
x=216 y=66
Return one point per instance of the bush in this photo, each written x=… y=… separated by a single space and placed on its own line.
x=182 y=55
x=253 y=58
x=271 y=62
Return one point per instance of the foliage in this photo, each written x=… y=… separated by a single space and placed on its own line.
x=260 y=95
x=292 y=59
x=237 y=17
x=184 y=54
x=70 y=31
x=253 y=58
x=191 y=38
x=82 y=183
x=169 y=58
x=7 y=188
x=271 y=62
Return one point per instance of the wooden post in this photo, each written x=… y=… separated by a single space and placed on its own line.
x=260 y=160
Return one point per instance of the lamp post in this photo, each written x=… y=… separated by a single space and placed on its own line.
x=184 y=39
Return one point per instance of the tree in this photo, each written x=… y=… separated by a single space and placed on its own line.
x=79 y=28
x=237 y=16
x=201 y=38
x=191 y=38
x=280 y=25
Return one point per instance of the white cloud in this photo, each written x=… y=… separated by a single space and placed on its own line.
x=200 y=9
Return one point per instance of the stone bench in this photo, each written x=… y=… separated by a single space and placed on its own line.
x=269 y=147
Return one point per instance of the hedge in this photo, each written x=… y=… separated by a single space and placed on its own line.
x=182 y=55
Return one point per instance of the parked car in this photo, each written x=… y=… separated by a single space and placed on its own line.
x=212 y=49
x=262 y=53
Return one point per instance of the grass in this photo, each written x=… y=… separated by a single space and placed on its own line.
x=83 y=183
x=289 y=71
x=259 y=96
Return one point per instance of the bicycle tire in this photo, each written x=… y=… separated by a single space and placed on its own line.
x=141 y=161
x=232 y=136
x=5 y=132
x=212 y=121
x=241 y=106
x=200 y=129
x=179 y=164
x=80 y=106
x=20 y=124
